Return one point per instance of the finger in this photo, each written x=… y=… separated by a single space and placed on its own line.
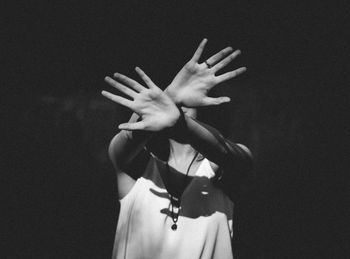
x=132 y=126
x=219 y=56
x=226 y=61
x=129 y=82
x=199 y=51
x=120 y=87
x=145 y=78
x=232 y=74
x=216 y=101
x=117 y=99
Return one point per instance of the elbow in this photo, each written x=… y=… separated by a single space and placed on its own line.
x=114 y=154
x=248 y=153
x=111 y=150
x=247 y=158
x=241 y=158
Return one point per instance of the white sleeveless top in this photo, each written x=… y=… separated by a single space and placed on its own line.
x=204 y=224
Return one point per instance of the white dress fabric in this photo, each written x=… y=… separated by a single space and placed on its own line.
x=204 y=225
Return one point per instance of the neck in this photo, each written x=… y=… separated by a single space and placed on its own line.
x=180 y=152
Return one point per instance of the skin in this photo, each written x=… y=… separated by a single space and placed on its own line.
x=193 y=82
x=157 y=110
x=181 y=154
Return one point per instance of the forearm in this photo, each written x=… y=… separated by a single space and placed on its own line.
x=126 y=145
x=172 y=95
x=209 y=142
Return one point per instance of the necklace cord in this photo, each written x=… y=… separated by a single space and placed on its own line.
x=177 y=201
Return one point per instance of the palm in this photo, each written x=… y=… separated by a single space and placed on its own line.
x=156 y=110
x=191 y=85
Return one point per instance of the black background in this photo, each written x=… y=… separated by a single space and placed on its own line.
x=288 y=108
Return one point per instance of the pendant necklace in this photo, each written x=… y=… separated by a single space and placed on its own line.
x=175 y=201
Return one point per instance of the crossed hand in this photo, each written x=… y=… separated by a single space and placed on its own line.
x=189 y=88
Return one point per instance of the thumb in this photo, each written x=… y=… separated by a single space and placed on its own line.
x=140 y=125
x=216 y=101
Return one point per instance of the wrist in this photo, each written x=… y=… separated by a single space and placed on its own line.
x=179 y=130
x=175 y=117
x=172 y=95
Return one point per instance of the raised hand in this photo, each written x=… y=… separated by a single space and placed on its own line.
x=156 y=109
x=193 y=82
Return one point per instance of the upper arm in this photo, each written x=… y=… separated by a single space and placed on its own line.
x=125 y=183
x=128 y=166
x=239 y=157
x=236 y=171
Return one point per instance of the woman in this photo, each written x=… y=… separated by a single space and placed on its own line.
x=171 y=208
